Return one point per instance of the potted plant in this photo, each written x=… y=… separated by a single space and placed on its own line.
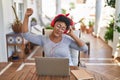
x=109 y=32
x=33 y=22
x=63 y=11
x=17 y=25
x=90 y=26
x=111 y=3
x=82 y=26
x=117 y=28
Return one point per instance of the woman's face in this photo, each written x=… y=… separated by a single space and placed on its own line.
x=59 y=28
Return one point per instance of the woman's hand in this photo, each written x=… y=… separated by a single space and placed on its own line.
x=29 y=12
x=74 y=37
x=70 y=31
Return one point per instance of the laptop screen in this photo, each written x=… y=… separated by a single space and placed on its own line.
x=52 y=66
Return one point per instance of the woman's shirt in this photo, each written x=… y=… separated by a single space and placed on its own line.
x=51 y=49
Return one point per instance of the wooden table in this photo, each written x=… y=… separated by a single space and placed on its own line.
x=29 y=73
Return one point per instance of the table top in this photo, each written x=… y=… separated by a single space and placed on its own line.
x=29 y=73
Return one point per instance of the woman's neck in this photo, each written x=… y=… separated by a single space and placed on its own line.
x=54 y=38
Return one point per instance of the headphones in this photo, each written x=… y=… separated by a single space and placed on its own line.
x=66 y=15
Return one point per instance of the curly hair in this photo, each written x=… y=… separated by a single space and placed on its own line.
x=62 y=18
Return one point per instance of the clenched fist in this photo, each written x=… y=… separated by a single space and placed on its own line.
x=29 y=12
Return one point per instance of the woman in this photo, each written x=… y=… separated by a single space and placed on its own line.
x=57 y=44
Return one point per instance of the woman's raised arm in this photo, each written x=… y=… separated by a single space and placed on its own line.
x=28 y=13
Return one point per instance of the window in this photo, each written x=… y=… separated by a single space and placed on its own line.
x=20 y=11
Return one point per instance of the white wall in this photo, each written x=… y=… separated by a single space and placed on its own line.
x=5 y=20
x=1 y=32
x=7 y=15
x=49 y=8
x=31 y=4
x=1 y=17
x=116 y=51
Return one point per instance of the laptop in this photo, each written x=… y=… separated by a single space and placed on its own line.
x=52 y=66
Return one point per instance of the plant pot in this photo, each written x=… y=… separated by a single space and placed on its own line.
x=89 y=30
x=17 y=28
x=17 y=25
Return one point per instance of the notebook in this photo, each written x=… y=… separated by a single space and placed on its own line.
x=52 y=66
x=82 y=74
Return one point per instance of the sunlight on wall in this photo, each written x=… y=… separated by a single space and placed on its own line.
x=106 y=15
x=49 y=8
x=116 y=53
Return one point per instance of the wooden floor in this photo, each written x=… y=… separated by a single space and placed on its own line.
x=100 y=61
